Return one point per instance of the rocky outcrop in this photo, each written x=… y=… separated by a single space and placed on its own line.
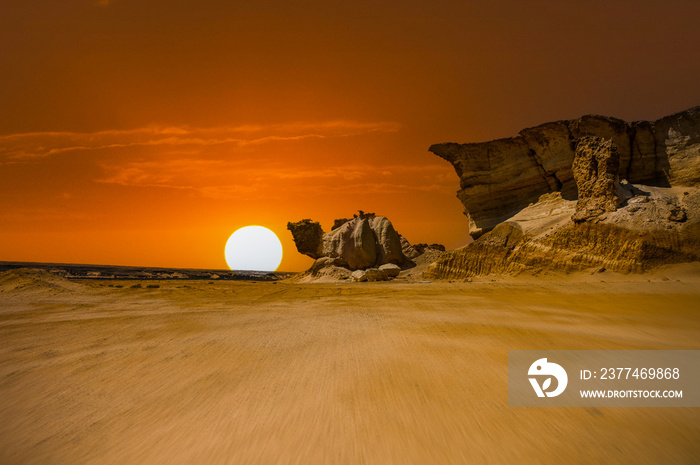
x=365 y=241
x=363 y=248
x=383 y=273
x=412 y=251
x=655 y=226
x=501 y=177
x=308 y=237
x=595 y=170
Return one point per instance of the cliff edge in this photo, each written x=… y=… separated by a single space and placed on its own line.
x=501 y=177
x=571 y=195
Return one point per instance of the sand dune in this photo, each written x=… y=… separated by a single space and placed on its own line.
x=237 y=372
x=26 y=281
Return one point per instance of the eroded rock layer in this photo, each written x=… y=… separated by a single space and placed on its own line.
x=656 y=226
x=501 y=177
x=595 y=169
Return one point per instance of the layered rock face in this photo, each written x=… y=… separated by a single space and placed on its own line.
x=501 y=177
x=364 y=241
x=655 y=226
x=587 y=213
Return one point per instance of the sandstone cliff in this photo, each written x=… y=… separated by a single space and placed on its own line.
x=501 y=177
x=587 y=213
x=656 y=226
x=615 y=225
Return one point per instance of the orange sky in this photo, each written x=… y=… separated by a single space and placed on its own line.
x=144 y=132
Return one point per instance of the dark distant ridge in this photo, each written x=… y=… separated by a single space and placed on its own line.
x=79 y=271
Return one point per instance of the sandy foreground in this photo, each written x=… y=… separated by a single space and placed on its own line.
x=387 y=373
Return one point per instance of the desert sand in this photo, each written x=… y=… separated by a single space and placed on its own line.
x=282 y=372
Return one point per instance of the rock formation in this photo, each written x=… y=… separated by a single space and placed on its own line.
x=308 y=237
x=584 y=216
x=595 y=170
x=568 y=195
x=412 y=251
x=383 y=273
x=501 y=177
x=364 y=241
x=656 y=226
x=363 y=248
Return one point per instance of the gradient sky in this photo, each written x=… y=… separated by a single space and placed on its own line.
x=144 y=132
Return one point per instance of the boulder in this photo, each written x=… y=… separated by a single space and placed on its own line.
x=390 y=270
x=358 y=276
x=375 y=274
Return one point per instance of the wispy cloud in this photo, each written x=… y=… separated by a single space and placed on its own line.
x=24 y=147
x=185 y=159
x=223 y=179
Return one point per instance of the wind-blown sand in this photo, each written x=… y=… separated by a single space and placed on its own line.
x=236 y=372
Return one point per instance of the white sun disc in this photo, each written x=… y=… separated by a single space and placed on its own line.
x=253 y=248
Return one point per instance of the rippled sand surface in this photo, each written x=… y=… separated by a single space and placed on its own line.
x=233 y=372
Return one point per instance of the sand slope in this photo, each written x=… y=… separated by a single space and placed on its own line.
x=26 y=281
x=236 y=372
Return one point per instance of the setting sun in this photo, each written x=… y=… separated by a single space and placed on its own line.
x=253 y=248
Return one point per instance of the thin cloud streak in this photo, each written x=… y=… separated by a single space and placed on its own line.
x=25 y=147
x=223 y=179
